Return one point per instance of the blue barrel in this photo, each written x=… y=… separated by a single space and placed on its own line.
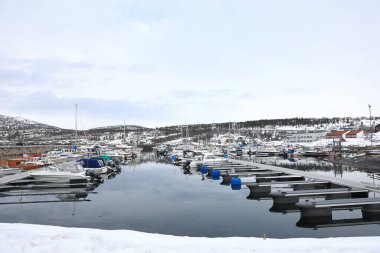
x=225 y=155
x=215 y=174
x=204 y=169
x=174 y=157
x=236 y=183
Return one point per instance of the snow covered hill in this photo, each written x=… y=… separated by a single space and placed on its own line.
x=20 y=130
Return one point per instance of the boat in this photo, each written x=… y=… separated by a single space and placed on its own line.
x=71 y=172
x=25 y=164
x=207 y=158
x=267 y=152
x=315 y=152
x=373 y=152
x=53 y=176
x=94 y=165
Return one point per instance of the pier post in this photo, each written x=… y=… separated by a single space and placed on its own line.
x=257 y=192
x=371 y=212
x=311 y=216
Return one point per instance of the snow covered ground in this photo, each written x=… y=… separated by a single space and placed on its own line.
x=40 y=239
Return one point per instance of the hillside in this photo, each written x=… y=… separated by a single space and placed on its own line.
x=291 y=124
x=19 y=130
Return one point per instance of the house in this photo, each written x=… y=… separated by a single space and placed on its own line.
x=355 y=134
x=337 y=134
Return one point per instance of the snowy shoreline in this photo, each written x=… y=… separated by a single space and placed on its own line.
x=41 y=238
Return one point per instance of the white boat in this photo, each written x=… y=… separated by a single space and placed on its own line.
x=208 y=158
x=60 y=176
x=71 y=172
x=373 y=152
x=267 y=151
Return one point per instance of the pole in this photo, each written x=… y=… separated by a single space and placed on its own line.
x=76 y=124
x=124 y=132
x=370 y=122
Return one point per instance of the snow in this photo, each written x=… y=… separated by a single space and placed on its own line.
x=41 y=238
x=376 y=136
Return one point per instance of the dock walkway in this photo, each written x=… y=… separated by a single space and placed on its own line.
x=11 y=178
x=340 y=181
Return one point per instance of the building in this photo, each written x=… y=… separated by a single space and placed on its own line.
x=305 y=137
x=337 y=134
x=355 y=134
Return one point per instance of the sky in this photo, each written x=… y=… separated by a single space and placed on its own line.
x=172 y=62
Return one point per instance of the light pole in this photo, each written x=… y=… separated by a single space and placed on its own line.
x=370 y=122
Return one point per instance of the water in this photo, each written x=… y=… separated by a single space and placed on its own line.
x=158 y=198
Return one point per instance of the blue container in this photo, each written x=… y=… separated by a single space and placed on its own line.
x=204 y=169
x=225 y=155
x=236 y=183
x=215 y=174
x=174 y=158
x=235 y=187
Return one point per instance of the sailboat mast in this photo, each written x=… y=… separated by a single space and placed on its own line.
x=76 y=124
x=124 y=132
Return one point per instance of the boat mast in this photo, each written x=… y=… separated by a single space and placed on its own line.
x=370 y=123
x=76 y=125
x=124 y=132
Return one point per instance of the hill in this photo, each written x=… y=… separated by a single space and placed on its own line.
x=19 y=130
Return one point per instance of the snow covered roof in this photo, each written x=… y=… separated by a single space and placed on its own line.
x=336 y=133
x=354 y=132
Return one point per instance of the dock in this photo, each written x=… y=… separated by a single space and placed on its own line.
x=8 y=179
x=339 y=181
x=338 y=193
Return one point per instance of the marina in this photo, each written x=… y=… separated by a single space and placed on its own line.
x=206 y=205
x=189 y=126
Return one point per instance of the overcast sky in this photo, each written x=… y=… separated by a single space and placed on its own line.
x=156 y=63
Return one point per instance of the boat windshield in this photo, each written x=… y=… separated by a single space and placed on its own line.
x=70 y=166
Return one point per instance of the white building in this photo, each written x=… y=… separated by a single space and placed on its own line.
x=305 y=137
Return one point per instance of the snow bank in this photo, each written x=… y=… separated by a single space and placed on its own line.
x=40 y=239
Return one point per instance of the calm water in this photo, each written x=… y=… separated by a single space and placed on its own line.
x=158 y=198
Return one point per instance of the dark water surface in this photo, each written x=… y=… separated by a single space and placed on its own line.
x=158 y=198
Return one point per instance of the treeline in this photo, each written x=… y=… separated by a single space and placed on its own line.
x=289 y=122
x=198 y=129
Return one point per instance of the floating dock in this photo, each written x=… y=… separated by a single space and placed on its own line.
x=339 y=181
x=338 y=193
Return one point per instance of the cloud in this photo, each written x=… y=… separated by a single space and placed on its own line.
x=162 y=62
x=47 y=104
x=36 y=72
x=301 y=90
